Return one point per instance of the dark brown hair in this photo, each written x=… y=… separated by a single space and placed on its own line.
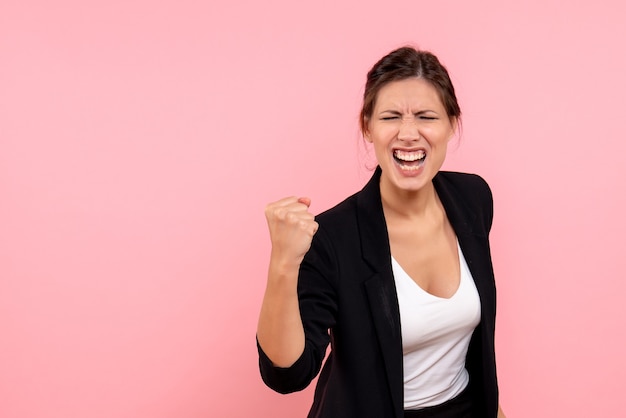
x=403 y=63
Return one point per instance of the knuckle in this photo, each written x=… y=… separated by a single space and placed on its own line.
x=280 y=213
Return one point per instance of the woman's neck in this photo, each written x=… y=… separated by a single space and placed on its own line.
x=410 y=203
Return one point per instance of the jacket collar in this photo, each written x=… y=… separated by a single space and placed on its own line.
x=372 y=226
x=371 y=220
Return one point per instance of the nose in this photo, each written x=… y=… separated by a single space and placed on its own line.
x=408 y=130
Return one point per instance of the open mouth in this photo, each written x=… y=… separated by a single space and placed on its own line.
x=409 y=160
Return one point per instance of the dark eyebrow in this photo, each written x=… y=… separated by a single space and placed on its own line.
x=421 y=112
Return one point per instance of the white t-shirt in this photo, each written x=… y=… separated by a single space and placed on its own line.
x=435 y=336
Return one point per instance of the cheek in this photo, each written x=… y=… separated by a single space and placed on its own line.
x=439 y=136
x=384 y=134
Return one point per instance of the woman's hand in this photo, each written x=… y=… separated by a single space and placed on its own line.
x=291 y=227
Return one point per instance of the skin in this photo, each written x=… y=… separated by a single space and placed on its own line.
x=408 y=116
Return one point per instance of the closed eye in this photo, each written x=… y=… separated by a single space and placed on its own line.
x=427 y=115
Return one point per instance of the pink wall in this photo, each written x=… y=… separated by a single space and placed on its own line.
x=140 y=141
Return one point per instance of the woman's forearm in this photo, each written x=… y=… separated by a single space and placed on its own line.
x=280 y=332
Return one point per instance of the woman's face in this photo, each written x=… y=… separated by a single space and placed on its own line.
x=410 y=131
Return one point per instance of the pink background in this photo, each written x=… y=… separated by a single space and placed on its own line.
x=140 y=141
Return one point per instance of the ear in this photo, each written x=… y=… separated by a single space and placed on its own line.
x=366 y=132
x=454 y=124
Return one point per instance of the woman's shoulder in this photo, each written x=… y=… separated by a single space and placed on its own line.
x=368 y=199
x=469 y=191
x=465 y=184
x=457 y=177
x=340 y=214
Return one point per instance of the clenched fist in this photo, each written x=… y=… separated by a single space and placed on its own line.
x=291 y=227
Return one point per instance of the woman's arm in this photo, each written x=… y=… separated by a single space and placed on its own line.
x=500 y=413
x=280 y=332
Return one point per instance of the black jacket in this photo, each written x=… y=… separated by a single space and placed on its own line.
x=346 y=286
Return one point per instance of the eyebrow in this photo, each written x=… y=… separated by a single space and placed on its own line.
x=421 y=112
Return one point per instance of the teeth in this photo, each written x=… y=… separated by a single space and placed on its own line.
x=409 y=155
x=411 y=167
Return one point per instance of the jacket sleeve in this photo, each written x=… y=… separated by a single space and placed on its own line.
x=318 y=308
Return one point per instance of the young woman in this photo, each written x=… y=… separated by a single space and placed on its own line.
x=397 y=278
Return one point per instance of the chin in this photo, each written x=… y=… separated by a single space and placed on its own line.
x=412 y=183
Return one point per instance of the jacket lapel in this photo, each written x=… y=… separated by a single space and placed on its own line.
x=380 y=287
x=472 y=239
